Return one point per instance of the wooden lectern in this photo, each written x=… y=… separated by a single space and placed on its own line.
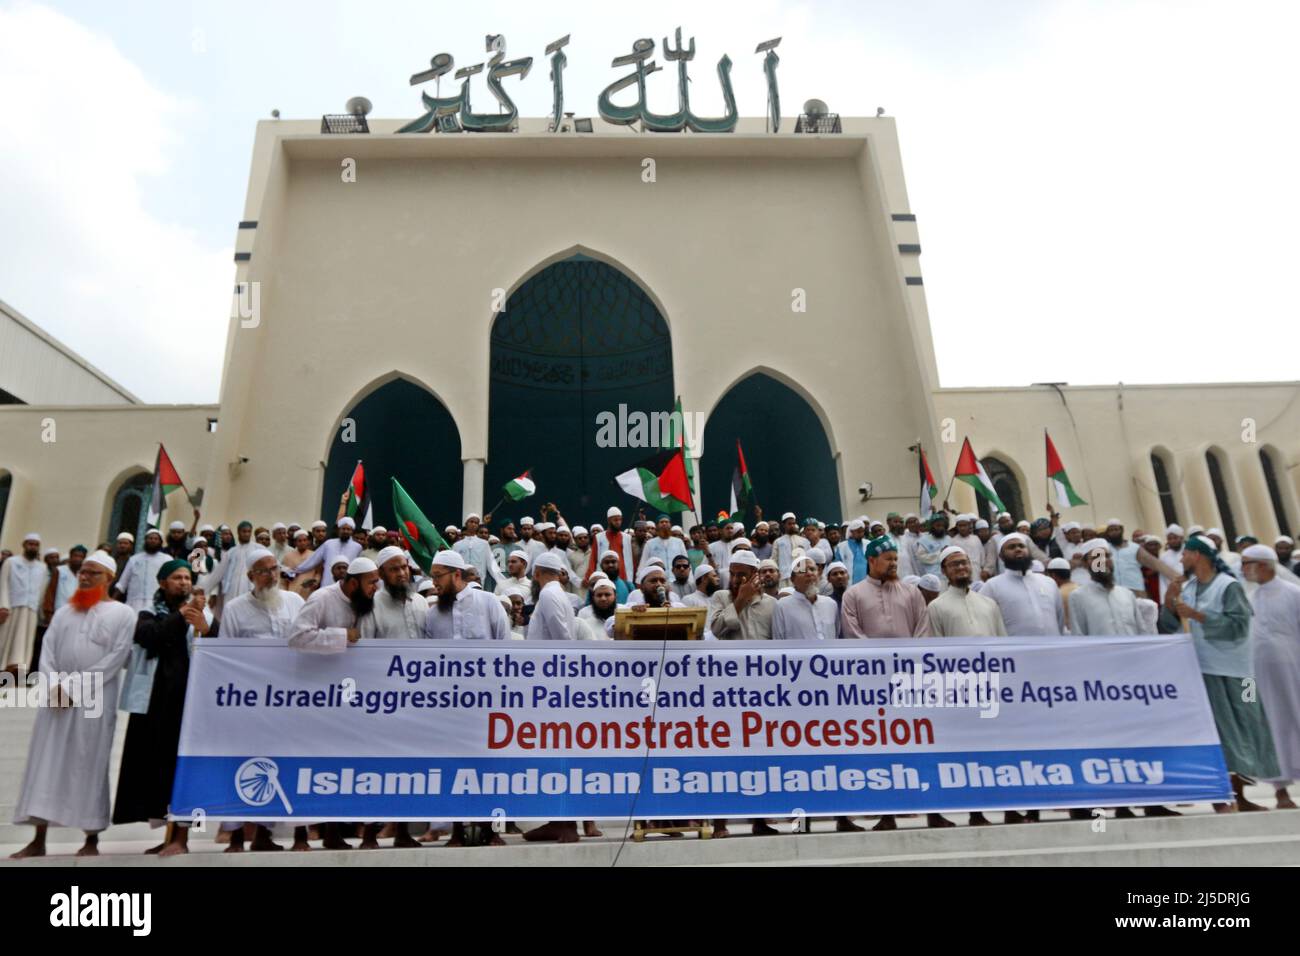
x=659 y=623
x=663 y=624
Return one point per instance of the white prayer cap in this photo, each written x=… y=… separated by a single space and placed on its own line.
x=473 y=516
x=597 y=528
x=1014 y=536
x=1174 y=529
x=425 y=586
x=737 y=527
x=677 y=528
x=199 y=543
x=744 y=559
x=762 y=524
x=608 y=554
x=929 y=582
x=613 y=512
x=337 y=561
x=578 y=529
x=1215 y=531
x=544 y=526
x=1072 y=526
x=769 y=563
x=176 y=526
x=948 y=552
x=1058 y=564
x=912 y=579
x=788 y=515
x=598 y=576
x=475 y=584
x=876 y=524
x=981 y=524
x=278 y=526
x=207 y=527
x=819 y=556
x=124 y=536
x=257 y=554
x=1036 y=566
x=786 y=592
x=346 y=522
x=377 y=529
x=301 y=532
x=1284 y=539
x=450 y=559
x=802 y=561
x=1002 y=514
x=1195 y=529
x=603 y=583
x=1022 y=524
x=836 y=566
x=740 y=543
x=649 y=568
x=1114 y=522
x=149 y=532
x=318 y=524
x=910 y=515
x=548 y=561
x=526 y=520
x=49 y=551
x=450 y=529
x=387 y=554
x=857 y=525
x=493 y=539
x=104 y=560
x=31 y=536
x=1258 y=552
x=1096 y=544
x=360 y=566
x=702 y=570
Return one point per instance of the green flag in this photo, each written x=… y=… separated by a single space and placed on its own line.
x=419 y=534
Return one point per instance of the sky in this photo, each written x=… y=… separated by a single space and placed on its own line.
x=1105 y=191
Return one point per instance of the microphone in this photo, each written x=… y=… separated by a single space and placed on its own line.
x=661 y=596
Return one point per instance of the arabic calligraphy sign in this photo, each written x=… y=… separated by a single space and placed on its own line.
x=455 y=112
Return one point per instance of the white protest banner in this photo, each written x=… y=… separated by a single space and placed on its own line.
x=415 y=730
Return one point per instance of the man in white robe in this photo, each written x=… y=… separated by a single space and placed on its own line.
x=329 y=622
x=965 y=538
x=958 y=611
x=23 y=580
x=1030 y=603
x=139 y=578
x=66 y=780
x=266 y=610
x=1276 y=650
x=593 y=618
x=786 y=545
x=332 y=550
x=461 y=612
x=552 y=618
x=663 y=545
x=399 y=610
x=477 y=552
x=1098 y=607
x=805 y=615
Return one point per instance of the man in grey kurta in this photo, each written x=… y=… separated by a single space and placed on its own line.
x=1277 y=660
x=1212 y=605
x=742 y=612
x=958 y=611
x=805 y=615
x=1099 y=606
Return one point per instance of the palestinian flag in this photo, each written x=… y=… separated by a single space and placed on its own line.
x=660 y=482
x=972 y=472
x=356 y=506
x=1065 y=494
x=929 y=489
x=517 y=489
x=418 y=533
x=742 y=489
x=676 y=438
x=165 y=481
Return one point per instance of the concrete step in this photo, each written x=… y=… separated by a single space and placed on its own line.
x=1200 y=839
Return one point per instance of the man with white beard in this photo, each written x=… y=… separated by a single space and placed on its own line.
x=399 y=611
x=266 y=610
x=66 y=780
x=807 y=615
x=232 y=571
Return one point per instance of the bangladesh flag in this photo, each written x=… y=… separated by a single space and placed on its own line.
x=517 y=489
x=165 y=481
x=660 y=481
x=742 y=489
x=972 y=472
x=1065 y=494
x=929 y=489
x=356 y=493
x=418 y=533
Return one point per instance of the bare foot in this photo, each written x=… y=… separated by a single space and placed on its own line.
x=762 y=828
x=174 y=849
x=234 y=848
x=885 y=823
x=404 y=841
x=1013 y=816
x=369 y=843
x=1124 y=813
x=1284 y=801
x=90 y=849
x=589 y=829
x=720 y=832
x=28 y=852
x=300 y=846
x=1225 y=808
x=388 y=831
x=978 y=819
x=1245 y=806
x=433 y=836
x=938 y=821
x=845 y=825
x=1159 y=811
x=155 y=850
x=496 y=840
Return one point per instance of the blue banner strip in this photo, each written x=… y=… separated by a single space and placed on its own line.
x=556 y=788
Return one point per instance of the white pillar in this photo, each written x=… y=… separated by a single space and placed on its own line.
x=472 y=495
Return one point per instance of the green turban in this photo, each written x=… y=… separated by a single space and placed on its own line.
x=171 y=567
x=878 y=546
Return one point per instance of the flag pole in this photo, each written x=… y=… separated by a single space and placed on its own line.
x=1047 y=479
x=950 y=483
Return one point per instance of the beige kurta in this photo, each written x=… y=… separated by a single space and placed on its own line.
x=960 y=612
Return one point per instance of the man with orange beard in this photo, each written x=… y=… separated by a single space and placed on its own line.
x=85 y=646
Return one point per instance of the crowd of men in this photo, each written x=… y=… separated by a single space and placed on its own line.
x=133 y=616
